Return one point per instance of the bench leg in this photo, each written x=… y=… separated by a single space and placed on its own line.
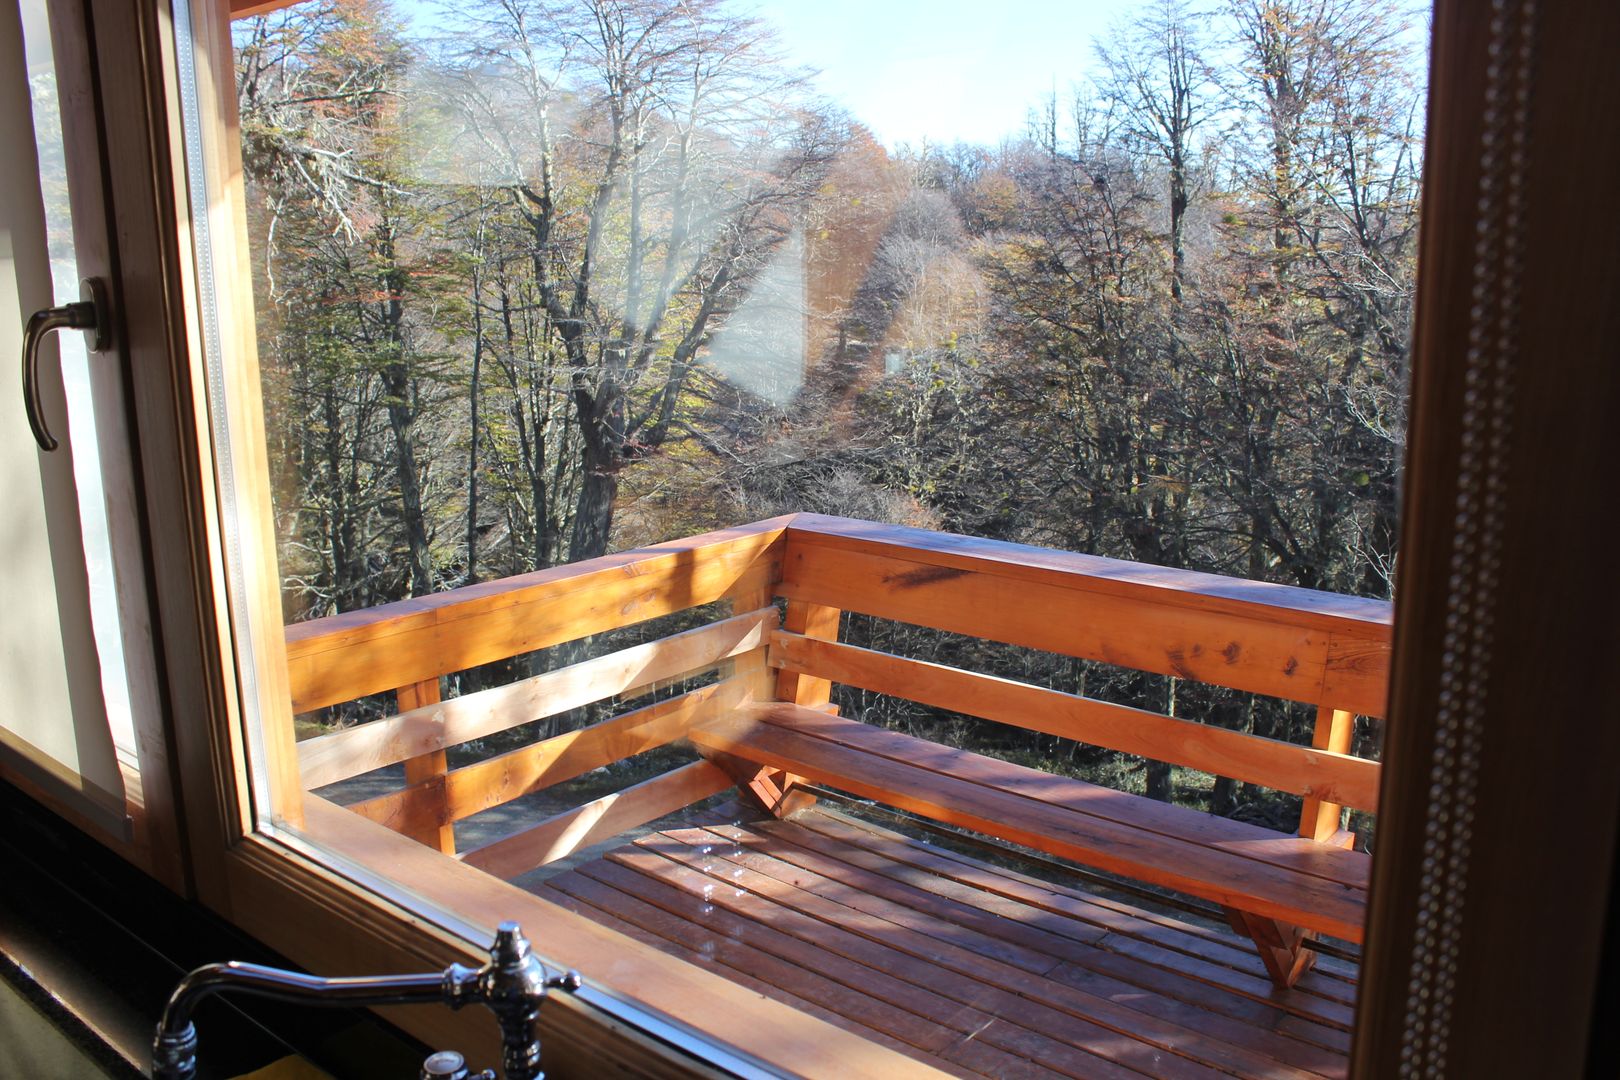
x=1280 y=945
x=771 y=790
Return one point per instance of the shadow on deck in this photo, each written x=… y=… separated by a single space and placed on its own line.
x=970 y=967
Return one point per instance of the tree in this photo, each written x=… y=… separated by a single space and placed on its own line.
x=318 y=94
x=651 y=212
x=1156 y=76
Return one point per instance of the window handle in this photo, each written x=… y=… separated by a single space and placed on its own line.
x=89 y=314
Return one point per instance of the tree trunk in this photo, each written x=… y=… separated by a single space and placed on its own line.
x=402 y=421
x=599 y=487
x=472 y=427
x=399 y=393
x=1158 y=772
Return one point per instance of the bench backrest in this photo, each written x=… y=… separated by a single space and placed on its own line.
x=1325 y=649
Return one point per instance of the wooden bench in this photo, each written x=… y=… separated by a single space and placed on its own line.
x=1316 y=649
x=1274 y=887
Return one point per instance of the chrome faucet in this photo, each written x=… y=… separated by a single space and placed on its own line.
x=513 y=984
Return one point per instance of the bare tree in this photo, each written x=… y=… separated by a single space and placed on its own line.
x=681 y=165
x=1155 y=74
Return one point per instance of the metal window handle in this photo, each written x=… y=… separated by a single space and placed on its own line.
x=89 y=314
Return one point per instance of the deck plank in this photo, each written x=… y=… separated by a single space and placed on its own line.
x=904 y=954
x=1166 y=993
x=747 y=966
x=929 y=1019
x=1159 y=940
x=975 y=968
x=943 y=942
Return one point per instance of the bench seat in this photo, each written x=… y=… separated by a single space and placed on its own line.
x=1271 y=884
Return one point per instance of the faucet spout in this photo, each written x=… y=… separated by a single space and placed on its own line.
x=513 y=984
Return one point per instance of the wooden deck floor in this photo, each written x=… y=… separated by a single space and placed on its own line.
x=973 y=968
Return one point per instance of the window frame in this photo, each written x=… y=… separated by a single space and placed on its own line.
x=274 y=885
x=145 y=827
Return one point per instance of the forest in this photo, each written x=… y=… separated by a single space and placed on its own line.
x=537 y=280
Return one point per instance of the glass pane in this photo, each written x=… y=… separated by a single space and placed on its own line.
x=539 y=283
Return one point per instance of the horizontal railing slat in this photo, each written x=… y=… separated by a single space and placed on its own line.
x=1166 y=635
x=1300 y=770
x=472 y=788
x=562 y=834
x=344 y=657
x=341 y=754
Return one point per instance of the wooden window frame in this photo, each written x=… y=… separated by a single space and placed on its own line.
x=1547 y=616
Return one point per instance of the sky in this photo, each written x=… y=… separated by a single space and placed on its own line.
x=943 y=70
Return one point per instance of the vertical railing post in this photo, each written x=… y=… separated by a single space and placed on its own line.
x=813 y=621
x=1319 y=820
x=752 y=666
x=776 y=790
x=433 y=764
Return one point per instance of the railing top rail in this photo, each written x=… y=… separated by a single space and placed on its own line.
x=348 y=655
x=343 y=657
x=332 y=630
x=1212 y=592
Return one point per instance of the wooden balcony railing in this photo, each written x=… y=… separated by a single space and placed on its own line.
x=1326 y=650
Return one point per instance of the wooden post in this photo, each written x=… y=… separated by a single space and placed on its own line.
x=752 y=666
x=432 y=764
x=771 y=789
x=1281 y=946
x=814 y=621
x=1318 y=820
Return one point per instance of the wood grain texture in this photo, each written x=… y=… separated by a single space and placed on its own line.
x=962 y=945
x=1191 y=589
x=975 y=966
x=1150 y=815
x=815 y=621
x=918 y=944
x=1281 y=947
x=783 y=1037
x=1535 y=891
x=1070 y=924
x=1168 y=943
x=1322 y=814
x=500 y=779
x=336 y=756
x=701 y=939
x=342 y=657
x=428 y=765
x=1328 y=773
x=601 y=819
x=870 y=943
x=1227 y=862
x=1272 y=651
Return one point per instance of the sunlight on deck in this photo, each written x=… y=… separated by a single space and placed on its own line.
x=972 y=967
